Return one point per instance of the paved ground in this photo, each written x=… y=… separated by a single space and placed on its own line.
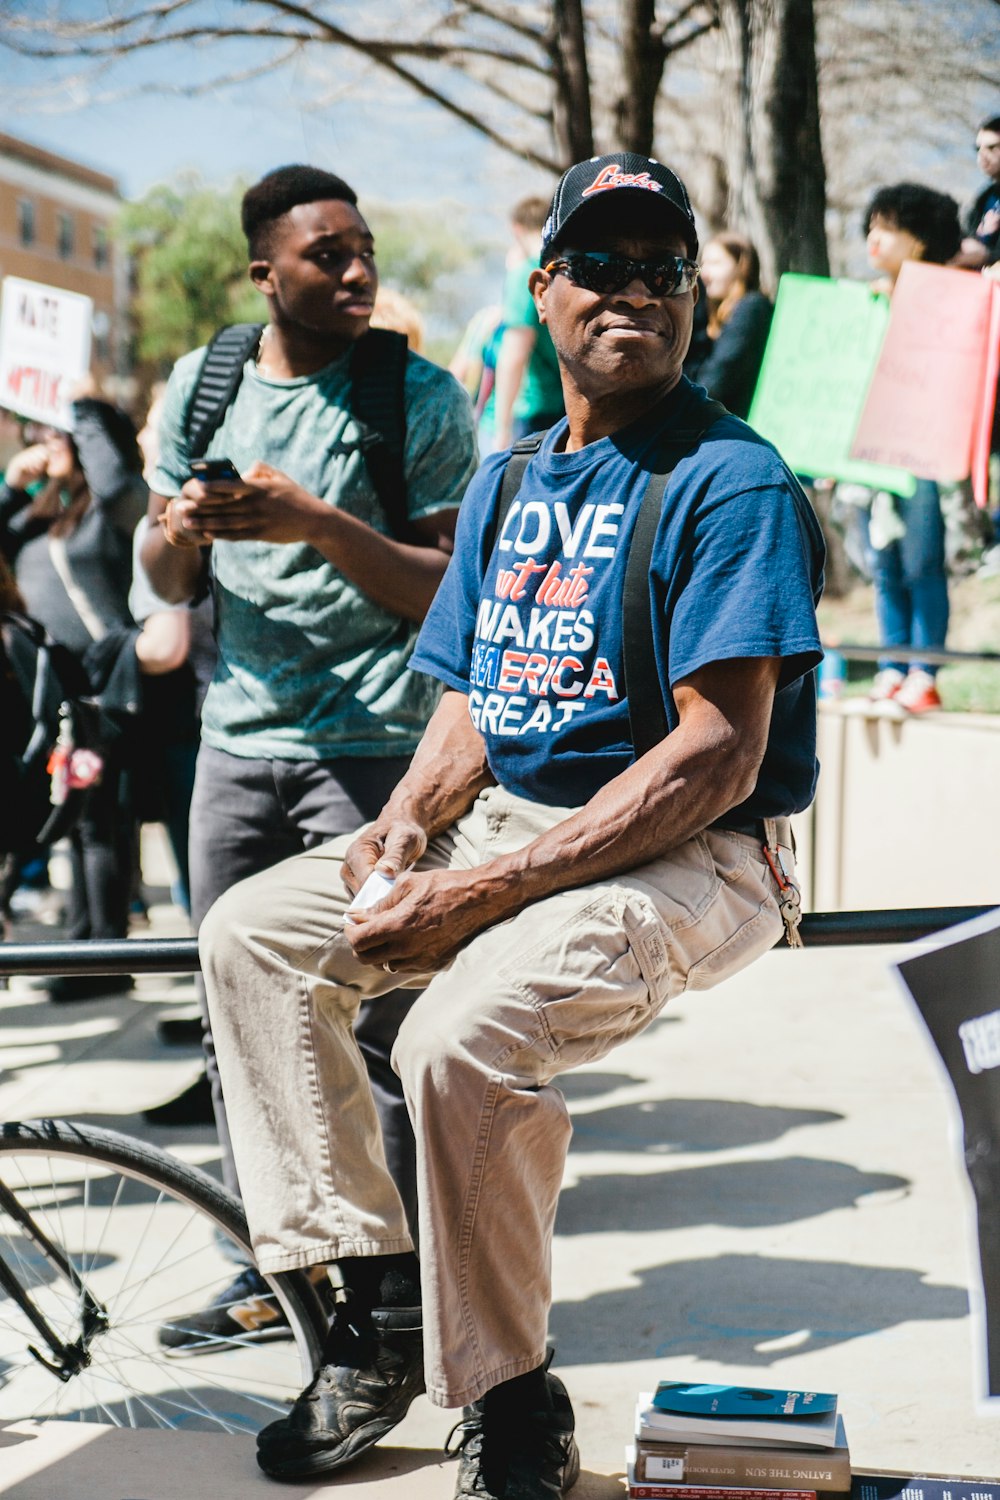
x=763 y=1188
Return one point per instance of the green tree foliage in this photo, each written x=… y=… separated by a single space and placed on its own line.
x=416 y=246
x=190 y=263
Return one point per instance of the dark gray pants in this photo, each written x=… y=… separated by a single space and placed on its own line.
x=247 y=815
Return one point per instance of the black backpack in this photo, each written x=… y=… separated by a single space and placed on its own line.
x=43 y=687
x=378 y=405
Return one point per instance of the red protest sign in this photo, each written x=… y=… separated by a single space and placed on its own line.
x=984 y=424
x=926 y=397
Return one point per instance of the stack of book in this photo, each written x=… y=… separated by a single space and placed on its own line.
x=712 y=1442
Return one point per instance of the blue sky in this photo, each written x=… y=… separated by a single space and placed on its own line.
x=389 y=144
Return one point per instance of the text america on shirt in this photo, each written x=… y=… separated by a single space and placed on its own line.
x=534 y=660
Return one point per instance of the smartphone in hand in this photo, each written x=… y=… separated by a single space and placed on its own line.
x=212 y=470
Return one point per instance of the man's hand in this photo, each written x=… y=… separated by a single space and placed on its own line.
x=423 y=921
x=264 y=506
x=391 y=848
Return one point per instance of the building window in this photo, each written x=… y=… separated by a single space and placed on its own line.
x=101 y=251
x=101 y=327
x=66 y=237
x=26 y=221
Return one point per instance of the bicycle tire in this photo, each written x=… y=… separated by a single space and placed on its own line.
x=172 y=1246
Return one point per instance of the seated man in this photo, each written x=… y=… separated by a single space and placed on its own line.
x=554 y=887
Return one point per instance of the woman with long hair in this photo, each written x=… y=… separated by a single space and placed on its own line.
x=726 y=359
x=68 y=508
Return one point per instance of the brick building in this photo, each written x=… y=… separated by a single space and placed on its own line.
x=56 y=219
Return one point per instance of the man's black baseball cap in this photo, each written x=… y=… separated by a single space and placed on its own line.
x=619 y=172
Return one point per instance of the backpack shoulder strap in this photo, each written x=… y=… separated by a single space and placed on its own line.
x=378 y=403
x=644 y=693
x=521 y=454
x=218 y=381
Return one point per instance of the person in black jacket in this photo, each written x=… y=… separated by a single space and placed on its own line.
x=68 y=508
x=727 y=360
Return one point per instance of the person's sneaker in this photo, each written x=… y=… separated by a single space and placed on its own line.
x=246 y=1312
x=886 y=685
x=192 y=1106
x=534 y=1457
x=919 y=694
x=371 y=1370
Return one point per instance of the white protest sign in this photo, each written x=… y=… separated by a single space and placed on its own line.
x=44 y=348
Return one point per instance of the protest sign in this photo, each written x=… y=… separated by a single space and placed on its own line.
x=982 y=437
x=926 y=394
x=956 y=987
x=44 y=348
x=825 y=339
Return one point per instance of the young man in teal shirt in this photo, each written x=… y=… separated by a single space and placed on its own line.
x=313 y=715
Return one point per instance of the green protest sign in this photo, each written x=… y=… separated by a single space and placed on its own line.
x=822 y=350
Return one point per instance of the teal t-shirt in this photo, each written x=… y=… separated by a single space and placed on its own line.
x=541 y=388
x=309 y=667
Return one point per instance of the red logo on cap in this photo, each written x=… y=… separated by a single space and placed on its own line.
x=614 y=177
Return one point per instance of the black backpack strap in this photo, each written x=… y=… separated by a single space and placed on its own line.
x=378 y=404
x=647 y=712
x=520 y=456
x=218 y=381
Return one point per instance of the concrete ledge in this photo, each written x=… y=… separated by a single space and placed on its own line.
x=907 y=812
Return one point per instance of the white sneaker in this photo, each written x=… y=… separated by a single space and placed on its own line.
x=886 y=685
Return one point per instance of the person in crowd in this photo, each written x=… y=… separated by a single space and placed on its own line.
x=737 y=323
x=904 y=537
x=980 y=245
x=68 y=508
x=312 y=715
x=552 y=881
x=527 y=395
x=474 y=363
x=176 y=651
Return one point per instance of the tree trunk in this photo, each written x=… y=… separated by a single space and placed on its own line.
x=572 y=121
x=643 y=59
x=772 y=135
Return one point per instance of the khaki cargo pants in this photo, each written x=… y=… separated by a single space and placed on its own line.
x=558 y=985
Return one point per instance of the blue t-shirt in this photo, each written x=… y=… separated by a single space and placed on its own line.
x=535 y=639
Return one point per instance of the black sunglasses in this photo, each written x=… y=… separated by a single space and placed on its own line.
x=605 y=273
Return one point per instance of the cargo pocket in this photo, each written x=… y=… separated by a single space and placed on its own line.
x=742 y=922
x=650 y=942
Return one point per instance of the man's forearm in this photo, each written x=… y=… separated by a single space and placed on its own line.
x=708 y=765
x=396 y=575
x=173 y=571
x=447 y=773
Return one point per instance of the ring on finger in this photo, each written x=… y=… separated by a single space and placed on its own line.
x=388 y=968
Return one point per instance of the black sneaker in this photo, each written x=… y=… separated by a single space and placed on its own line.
x=532 y=1457
x=371 y=1369
x=246 y=1312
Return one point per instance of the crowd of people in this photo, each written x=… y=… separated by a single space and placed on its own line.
x=327 y=641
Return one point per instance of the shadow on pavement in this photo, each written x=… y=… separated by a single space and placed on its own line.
x=667 y=1125
x=741 y=1195
x=746 y=1310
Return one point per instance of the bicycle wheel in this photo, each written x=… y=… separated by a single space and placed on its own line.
x=103 y=1240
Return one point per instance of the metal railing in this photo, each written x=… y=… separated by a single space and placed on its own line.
x=820 y=929
x=938 y=658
